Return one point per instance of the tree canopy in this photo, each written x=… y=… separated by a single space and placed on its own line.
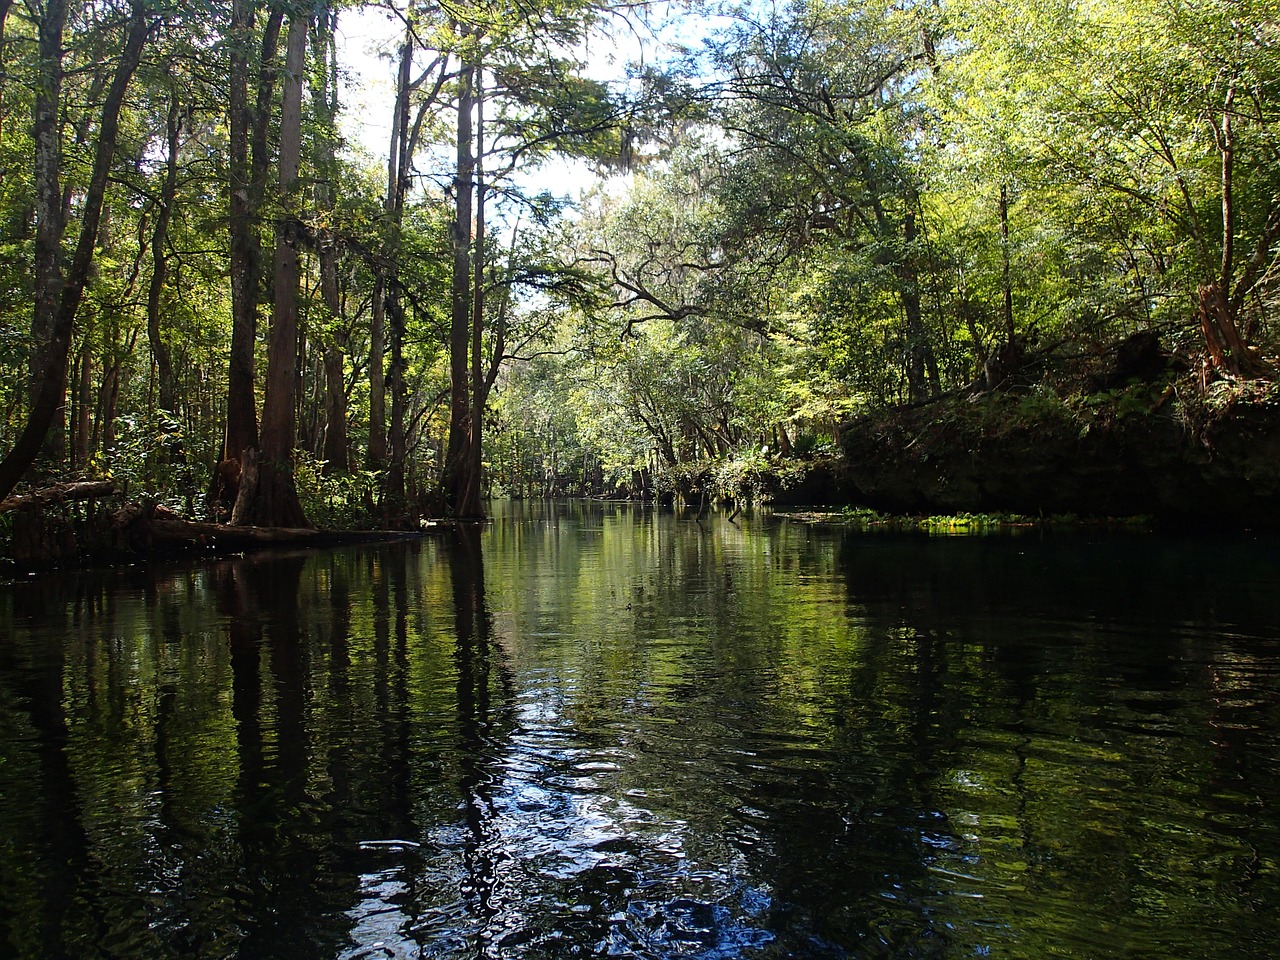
x=797 y=213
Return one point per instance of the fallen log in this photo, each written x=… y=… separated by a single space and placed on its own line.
x=59 y=493
x=172 y=532
x=42 y=539
x=160 y=532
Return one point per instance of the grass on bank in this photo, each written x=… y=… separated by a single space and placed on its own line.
x=960 y=524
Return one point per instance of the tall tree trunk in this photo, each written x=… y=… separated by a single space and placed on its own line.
x=479 y=393
x=160 y=351
x=455 y=478
x=337 y=446
x=49 y=208
x=54 y=353
x=4 y=16
x=1227 y=150
x=376 y=455
x=397 y=185
x=1221 y=301
x=336 y=452
x=1005 y=284
x=248 y=173
x=83 y=420
x=920 y=364
x=397 y=435
x=242 y=416
x=1228 y=350
x=269 y=497
x=109 y=389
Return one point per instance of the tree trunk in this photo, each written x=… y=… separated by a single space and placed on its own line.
x=160 y=351
x=920 y=366
x=397 y=185
x=376 y=455
x=83 y=421
x=50 y=212
x=336 y=451
x=54 y=353
x=1005 y=284
x=1228 y=351
x=269 y=497
x=397 y=434
x=242 y=416
x=5 y=5
x=248 y=171
x=455 y=480
x=479 y=381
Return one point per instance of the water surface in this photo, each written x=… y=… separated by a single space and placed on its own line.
x=605 y=731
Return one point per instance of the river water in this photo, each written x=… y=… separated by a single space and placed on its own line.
x=608 y=731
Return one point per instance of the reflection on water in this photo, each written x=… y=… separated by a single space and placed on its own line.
x=605 y=731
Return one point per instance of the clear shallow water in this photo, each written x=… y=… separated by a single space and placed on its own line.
x=601 y=731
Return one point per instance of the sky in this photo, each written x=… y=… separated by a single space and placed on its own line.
x=366 y=37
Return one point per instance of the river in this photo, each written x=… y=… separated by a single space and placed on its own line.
x=587 y=730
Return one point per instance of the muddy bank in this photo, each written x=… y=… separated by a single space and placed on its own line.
x=1173 y=450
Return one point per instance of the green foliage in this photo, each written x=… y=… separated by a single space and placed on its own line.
x=151 y=458
x=341 y=501
x=971 y=524
x=751 y=475
x=803 y=222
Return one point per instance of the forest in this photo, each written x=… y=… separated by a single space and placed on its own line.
x=806 y=237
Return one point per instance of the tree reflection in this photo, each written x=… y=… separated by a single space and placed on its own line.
x=477 y=659
x=631 y=735
x=45 y=857
x=287 y=880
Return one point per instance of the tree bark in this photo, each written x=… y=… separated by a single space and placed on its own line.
x=1005 y=285
x=5 y=5
x=83 y=421
x=1228 y=350
x=920 y=365
x=242 y=416
x=1226 y=147
x=248 y=173
x=456 y=482
x=479 y=382
x=376 y=455
x=397 y=186
x=336 y=451
x=160 y=350
x=377 y=451
x=50 y=212
x=55 y=352
x=60 y=493
x=269 y=497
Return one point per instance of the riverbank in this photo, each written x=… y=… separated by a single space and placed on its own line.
x=82 y=522
x=1168 y=448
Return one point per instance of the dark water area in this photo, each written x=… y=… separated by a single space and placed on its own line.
x=605 y=731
